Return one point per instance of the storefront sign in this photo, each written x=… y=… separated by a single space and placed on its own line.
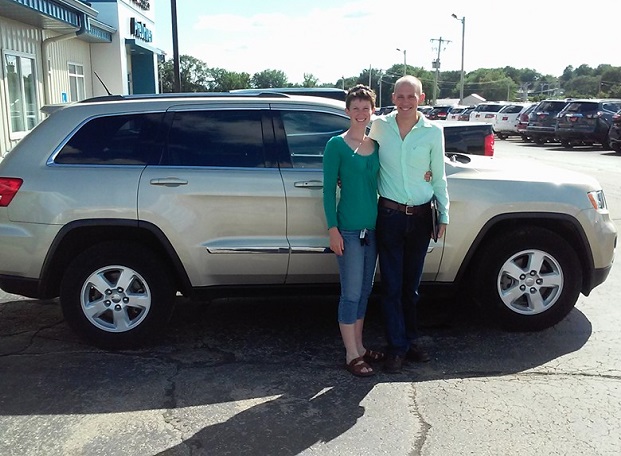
x=139 y=30
x=143 y=4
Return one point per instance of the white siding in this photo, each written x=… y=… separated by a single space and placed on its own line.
x=60 y=54
x=22 y=39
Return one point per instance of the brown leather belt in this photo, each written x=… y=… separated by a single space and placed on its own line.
x=407 y=210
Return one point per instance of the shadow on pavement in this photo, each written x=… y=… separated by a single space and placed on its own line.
x=280 y=360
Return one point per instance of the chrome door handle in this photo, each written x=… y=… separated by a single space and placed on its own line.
x=169 y=181
x=309 y=184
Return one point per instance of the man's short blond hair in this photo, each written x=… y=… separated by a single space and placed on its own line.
x=409 y=79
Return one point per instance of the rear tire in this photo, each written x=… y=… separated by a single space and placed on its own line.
x=527 y=279
x=566 y=144
x=117 y=295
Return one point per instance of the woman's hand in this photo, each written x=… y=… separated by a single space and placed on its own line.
x=336 y=241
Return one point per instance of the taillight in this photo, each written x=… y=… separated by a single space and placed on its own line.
x=489 y=145
x=616 y=118
x=8 y=189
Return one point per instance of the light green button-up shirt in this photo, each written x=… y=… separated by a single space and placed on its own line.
x=404 y=162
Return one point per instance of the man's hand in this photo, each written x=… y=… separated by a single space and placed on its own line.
x=441 y=229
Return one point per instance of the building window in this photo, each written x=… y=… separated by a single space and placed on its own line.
x=22 y=93
x=76 y=82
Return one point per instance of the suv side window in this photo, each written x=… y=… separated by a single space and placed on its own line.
x=307 y=134
x=216 y=138
x=114 y=140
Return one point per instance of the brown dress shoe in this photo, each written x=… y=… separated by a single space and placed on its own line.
x=417 y=354
x=392 y=364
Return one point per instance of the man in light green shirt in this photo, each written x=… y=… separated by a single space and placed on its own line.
x=409 y=145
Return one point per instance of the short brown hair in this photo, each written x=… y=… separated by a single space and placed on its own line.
x=360 y=92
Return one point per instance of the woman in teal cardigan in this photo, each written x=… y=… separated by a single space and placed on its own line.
x=351 y=166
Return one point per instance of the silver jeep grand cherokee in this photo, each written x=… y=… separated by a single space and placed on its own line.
x=117 y=204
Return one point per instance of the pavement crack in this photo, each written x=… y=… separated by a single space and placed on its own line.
x=424 y=425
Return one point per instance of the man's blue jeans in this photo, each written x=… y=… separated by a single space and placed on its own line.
x=402 y=241
x=357 y=270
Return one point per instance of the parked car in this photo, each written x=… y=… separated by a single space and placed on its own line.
x=507 y=119
x=523 y=122
x=542 y=121
x=614 y=134
x=384 y=110
x=117 y=204
x=425 y=110
x=465 y=116
x=439 y=112
x=586 y=122
x=486 y=112
x=456 y=111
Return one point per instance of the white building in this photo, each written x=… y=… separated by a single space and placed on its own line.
x=127 y=65
x=55 y=51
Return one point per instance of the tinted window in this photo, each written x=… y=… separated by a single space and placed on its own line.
x=581 y=107
x=216 y=138
x=551 y=106
x=614 y=107
x=114 y=140
x=512 y=109
x=307 y=135
x=491 y=108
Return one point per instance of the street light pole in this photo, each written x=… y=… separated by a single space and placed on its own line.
x=463 y=35
x=405 y=65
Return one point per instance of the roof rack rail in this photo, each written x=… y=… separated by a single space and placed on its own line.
x=106 y=98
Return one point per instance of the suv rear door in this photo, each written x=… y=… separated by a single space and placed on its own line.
x=217 y=195
x=302 y=132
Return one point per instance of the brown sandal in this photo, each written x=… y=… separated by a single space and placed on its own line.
x=372 y=356
x=356 y=366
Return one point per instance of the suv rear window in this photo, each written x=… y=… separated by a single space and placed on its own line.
x=581 y=107
x=489 y=107
x=551 y=105
x=114 y=140
x=216 y=138
x=511 y=109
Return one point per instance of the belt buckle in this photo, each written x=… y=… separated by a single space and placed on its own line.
x=407 y=210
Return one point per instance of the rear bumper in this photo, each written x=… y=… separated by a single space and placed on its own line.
x=540 y=132
x=581 y=135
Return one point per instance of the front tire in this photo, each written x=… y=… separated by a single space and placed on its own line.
x=528 y=279
x=117 y=295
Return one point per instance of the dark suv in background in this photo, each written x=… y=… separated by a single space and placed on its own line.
x=542 y=121
x=614 y=134
x=586 y=122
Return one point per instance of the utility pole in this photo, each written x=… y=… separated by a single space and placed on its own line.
x=436 y=64
x=176 y=57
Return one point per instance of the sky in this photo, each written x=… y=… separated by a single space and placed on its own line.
x=334 y=38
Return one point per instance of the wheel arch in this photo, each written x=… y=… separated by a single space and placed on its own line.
x=562 y=224
x=79 y=235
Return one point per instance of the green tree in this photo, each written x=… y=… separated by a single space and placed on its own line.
x=269 y=78
x=310 y=80
x=223 y=80
x=193 y=73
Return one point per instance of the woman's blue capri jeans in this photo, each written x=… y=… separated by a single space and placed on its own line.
x=357 y=270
